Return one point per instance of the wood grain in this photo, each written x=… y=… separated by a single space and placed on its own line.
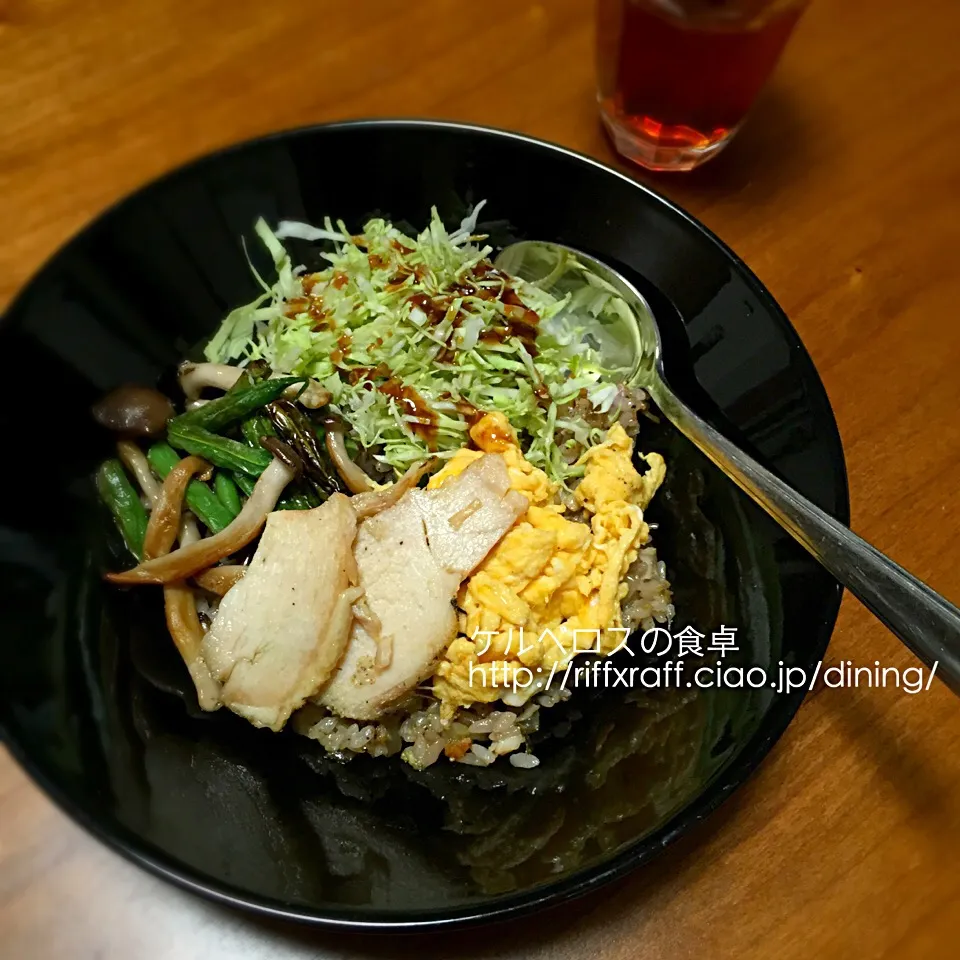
x=842 y=194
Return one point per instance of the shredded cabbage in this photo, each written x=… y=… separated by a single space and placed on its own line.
x=394 y=317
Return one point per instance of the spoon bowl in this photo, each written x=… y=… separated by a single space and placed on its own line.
x=629 y=340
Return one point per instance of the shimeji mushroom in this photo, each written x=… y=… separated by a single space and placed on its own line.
x=192 y=559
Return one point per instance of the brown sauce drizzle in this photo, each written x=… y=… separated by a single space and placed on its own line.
x=434 y=309
x=525 y=329
x=357 y=374
x=344 y=344
x=403 y=272
x=519 y=320
x=411 y=404
x=469 y=412
x=542 y=393
x=313 y=307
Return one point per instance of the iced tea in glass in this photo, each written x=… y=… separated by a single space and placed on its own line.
x=677 y=77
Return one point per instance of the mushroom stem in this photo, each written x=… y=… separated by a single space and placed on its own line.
x=164 y=522
x=188 y=530
x=368 y=504
x=190 y=560
x=180 y=607
x=219 y=580
x=356 y=479
x=194 y=377
x=135 y=460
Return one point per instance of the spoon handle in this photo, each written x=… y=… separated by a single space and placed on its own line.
x=927 y=623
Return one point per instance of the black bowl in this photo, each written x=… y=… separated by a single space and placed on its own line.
x=95 y=704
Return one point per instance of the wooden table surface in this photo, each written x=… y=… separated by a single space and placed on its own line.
x=841 y=193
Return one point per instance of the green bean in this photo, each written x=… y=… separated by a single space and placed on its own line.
x=245 y=483
x=234 y=405
x=227 y=491
x=204 y=503
x=118 y=494
x=255 y=427
x=220 y=451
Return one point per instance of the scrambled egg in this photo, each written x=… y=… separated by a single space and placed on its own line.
x=552 y=587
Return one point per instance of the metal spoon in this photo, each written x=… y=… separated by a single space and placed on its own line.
x=927 y=623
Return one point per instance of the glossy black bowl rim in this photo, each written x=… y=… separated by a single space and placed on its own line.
x=509 y=906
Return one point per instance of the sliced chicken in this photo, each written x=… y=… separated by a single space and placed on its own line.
x=411 y=559
x=411 y=596
x=281 y=631
x=469 y=514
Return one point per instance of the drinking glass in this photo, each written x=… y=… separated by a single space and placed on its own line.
x=677 y=77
